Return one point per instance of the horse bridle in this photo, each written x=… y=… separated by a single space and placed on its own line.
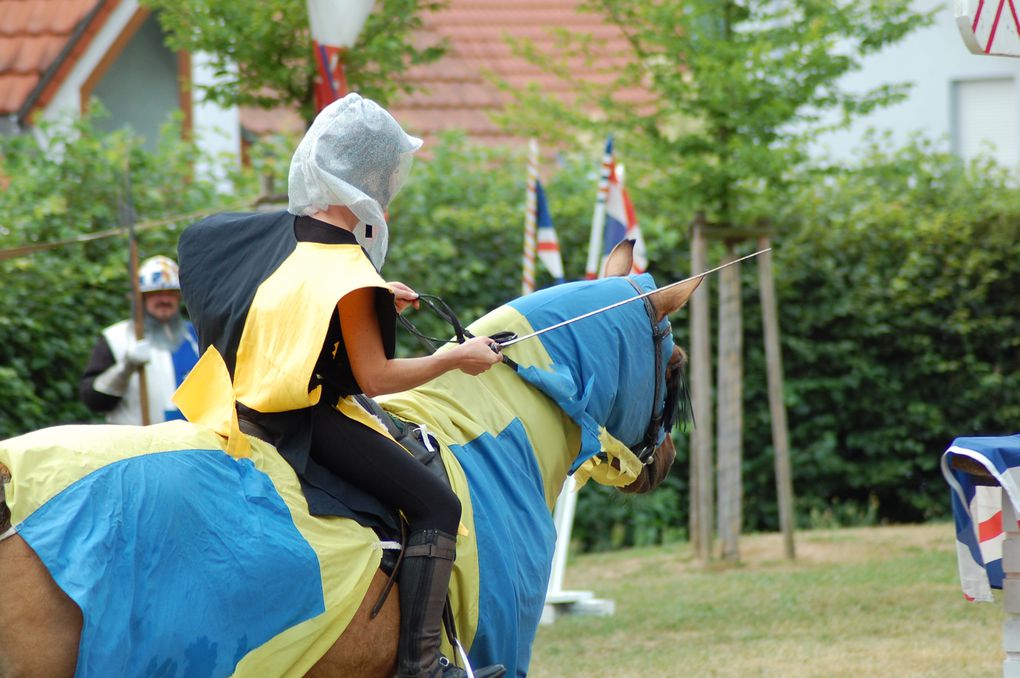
x=662 y=418
x=665 y=417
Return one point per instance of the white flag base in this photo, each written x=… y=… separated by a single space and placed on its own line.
x=581 y=603
x=557 y=601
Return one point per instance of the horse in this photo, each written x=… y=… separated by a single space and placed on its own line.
x=148 y=550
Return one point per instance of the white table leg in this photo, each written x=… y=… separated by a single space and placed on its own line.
x=1010 y=589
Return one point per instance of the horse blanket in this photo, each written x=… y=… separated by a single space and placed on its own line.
x=187 y=561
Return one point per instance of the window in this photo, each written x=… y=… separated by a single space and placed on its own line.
x=986 y=120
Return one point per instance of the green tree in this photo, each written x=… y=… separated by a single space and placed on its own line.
x=729 y=92
x=55 y=301
x=262 y=51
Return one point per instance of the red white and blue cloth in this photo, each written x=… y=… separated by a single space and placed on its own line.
x=548 y=243
x=621 y=220
x=977 y=509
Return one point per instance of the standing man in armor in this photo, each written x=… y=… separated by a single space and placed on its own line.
x=168 y=351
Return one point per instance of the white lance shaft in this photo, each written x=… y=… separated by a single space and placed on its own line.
x=693 y=278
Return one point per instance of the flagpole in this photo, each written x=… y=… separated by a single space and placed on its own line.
x=598 y=219
x=530 y=208
x=137 y=304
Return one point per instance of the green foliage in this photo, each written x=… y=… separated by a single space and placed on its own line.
x=55 y=302
x=897 y=283
x=457 y=228
x=898 y=294
x=734 y=91
x=261 y=52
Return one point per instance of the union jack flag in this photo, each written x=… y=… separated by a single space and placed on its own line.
x=548 y=243
x=621 y=221
x=614 y=219
x=978 y=510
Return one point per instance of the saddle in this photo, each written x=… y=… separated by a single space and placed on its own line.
x=420 y=444
x=415 y=439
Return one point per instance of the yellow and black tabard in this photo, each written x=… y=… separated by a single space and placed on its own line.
x=262 y=291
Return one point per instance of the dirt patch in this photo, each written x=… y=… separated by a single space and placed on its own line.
x=765 y=551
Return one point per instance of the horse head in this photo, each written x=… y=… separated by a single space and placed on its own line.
x=617 y=375
x=657 y=466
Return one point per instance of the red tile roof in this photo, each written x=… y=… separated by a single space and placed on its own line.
x=456 y=90
x=32 y=35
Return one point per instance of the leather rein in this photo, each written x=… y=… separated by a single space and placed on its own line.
x=663 y=416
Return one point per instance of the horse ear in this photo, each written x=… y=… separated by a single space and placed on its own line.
x=672 y=299
x=621 y=259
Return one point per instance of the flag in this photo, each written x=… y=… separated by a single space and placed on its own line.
x=548 y=243
x=978 y=509
x=621 y=222
x=330 y=81
x=539 y=233
x=614 y=219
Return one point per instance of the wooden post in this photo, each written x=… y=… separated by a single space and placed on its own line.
x=1010 y=588
x=777 y=408
x=128 y=220
x=701 y=500
x=729 y=402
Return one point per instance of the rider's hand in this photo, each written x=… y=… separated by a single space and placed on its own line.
x=477 y=355
x=403 y=296
x=138 y=353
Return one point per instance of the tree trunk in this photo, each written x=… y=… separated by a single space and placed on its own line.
x=701 y=400
x=730 y=420
x=777 y=408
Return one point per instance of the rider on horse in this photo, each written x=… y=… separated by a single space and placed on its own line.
x=291 y=304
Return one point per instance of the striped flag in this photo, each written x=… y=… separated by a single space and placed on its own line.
x=539 y=234
x=977 y=509
x=614 y=219
x=621 y=221
x=548 y=243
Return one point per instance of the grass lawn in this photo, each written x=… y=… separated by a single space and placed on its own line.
x=880 y=601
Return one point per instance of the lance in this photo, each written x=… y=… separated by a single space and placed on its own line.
x=127 y=220
x=695 y=279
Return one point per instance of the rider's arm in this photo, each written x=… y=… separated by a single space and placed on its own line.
x=376 y=374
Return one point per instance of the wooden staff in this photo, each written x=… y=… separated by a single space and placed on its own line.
x=128 y=221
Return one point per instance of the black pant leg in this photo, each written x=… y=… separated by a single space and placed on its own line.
x=383 y=468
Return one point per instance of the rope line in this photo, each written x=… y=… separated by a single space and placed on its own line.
x=23 y=250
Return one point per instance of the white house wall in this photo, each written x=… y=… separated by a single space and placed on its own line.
x=67 y=99
x=140 y=88
x=936 y=60
x=216 y=129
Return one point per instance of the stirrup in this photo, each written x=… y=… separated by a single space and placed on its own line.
x=451 y=671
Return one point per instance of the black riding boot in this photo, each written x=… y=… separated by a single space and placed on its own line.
x=424 y=579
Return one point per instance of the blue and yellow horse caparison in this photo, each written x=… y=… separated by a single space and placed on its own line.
x=185 y=560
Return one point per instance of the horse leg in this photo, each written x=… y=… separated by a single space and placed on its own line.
x=40 y=626
x=368 y=647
